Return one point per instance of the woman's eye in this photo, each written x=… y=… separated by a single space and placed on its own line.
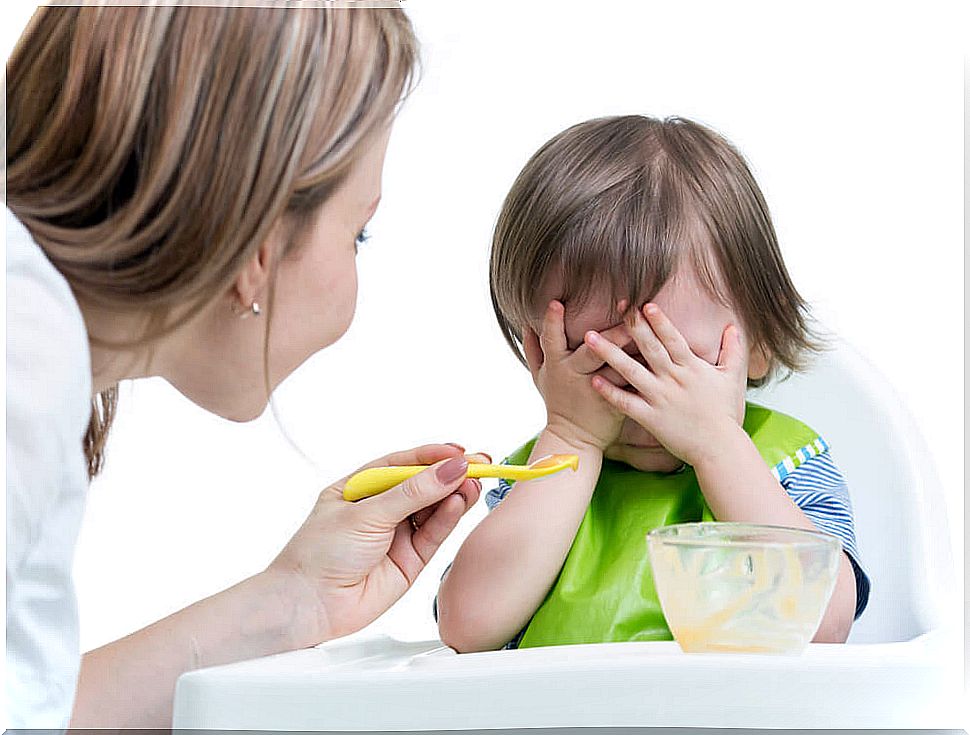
x=362 y=237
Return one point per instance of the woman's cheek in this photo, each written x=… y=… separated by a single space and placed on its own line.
x=346 y=304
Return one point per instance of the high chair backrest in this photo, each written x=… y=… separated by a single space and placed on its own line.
x=897 y=498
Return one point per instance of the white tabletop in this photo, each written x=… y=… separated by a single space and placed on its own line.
x=380 y=684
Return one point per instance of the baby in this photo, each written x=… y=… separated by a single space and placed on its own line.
x=636 y=272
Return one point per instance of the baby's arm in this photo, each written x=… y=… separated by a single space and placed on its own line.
x=509 y=562
x=695 y=410
x=739 y=486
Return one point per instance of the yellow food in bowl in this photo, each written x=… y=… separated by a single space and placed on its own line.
x=733 y=587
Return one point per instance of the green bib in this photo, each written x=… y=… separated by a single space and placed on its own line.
x=605 y=590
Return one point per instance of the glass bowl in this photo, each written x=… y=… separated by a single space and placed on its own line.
x=741 y=587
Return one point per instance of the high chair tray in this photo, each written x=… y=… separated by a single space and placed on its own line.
x=380 y=684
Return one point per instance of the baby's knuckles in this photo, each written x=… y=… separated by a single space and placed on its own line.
x=691 y=430
x=693 y=407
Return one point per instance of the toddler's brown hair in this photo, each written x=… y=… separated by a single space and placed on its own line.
x=616 y=203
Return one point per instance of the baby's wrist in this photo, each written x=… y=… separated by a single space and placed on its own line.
x=720 y=448
x=575 y=437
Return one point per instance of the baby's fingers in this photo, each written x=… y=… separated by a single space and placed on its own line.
x=629 y=369
x=553 y=337
x=627 y=402
x=731 y=354
x=611 y=375
x=668 y=335
x=584 y=360
x=649 y=344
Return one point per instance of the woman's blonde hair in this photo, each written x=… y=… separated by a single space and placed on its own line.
x=615 y=204
x=151 y=150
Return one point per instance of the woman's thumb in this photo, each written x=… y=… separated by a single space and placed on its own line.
x=424 y=489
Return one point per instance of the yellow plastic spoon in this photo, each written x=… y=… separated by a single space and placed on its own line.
x=378 y=479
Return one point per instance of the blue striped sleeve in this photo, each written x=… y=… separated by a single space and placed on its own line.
x=497 y=494
x=819 y=489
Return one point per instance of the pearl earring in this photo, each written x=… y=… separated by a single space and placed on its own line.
x=253 y=310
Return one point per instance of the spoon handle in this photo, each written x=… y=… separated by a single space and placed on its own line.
x=377 y=480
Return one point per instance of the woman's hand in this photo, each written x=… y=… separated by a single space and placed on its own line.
x=689 y=405
x=350 y=562
x=575 y=412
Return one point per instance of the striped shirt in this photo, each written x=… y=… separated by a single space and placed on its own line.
x=817 y=487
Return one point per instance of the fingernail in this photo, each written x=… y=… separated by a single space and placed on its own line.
x=459 y=447
x=592 y=338
x=649 y=309
x=451 y=470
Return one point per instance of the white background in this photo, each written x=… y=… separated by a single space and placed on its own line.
x=851 y=117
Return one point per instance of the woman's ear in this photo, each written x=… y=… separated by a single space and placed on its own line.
x=759 y=362
x=252 y=281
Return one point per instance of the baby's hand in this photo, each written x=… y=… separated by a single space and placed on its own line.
x=575 y=411
x=687 y=404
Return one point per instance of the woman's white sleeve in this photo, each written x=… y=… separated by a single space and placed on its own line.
x=48 y=403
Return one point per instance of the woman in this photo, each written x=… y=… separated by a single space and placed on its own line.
x=187 y=186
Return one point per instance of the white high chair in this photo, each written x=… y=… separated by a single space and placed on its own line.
x=900 y=669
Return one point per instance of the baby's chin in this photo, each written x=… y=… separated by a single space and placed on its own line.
x=645 y=459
